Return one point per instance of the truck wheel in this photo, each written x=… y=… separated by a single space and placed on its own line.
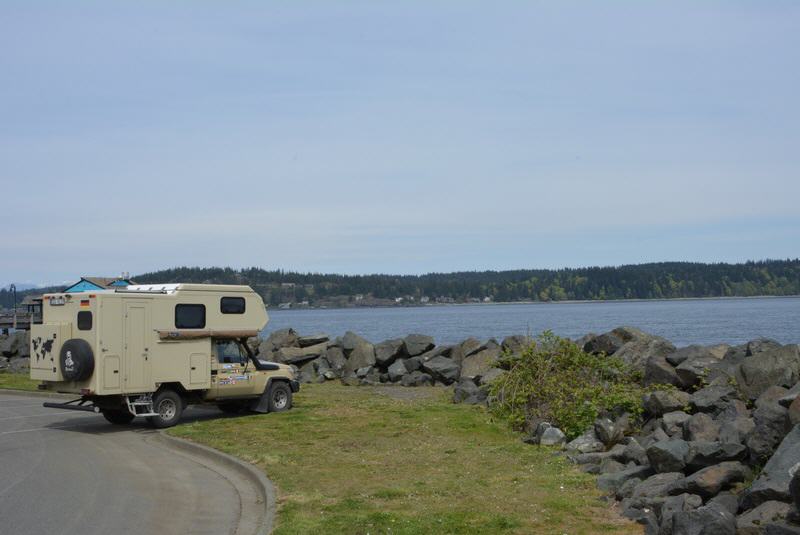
x=280 y=397
x=118 y=417
x=169 y=406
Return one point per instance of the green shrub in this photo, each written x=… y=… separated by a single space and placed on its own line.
x=554 y=380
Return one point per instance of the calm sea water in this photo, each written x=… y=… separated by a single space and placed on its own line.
x=684 y=322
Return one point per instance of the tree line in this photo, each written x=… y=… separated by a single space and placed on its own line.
x=663 y=280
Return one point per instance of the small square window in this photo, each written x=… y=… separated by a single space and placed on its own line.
x=231 y=305
x=84 y=320
x=190 y=316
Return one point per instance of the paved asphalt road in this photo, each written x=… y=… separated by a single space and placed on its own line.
x=64 y=472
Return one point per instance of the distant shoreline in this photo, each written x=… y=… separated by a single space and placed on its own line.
x=543 y=303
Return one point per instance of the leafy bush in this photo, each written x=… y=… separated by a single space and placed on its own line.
x=553 y=380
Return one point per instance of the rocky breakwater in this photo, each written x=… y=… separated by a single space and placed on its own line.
x=714 y=451
x=411 y=361
x=15 y=352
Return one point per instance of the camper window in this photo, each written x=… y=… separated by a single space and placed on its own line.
x=84 y=320
x=190 y=316
x=231 y=305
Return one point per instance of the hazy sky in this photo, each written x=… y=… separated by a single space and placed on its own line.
x=398 y=137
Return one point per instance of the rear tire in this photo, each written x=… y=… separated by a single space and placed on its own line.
x=118 y=416
x=169 y=406
x=280 y=397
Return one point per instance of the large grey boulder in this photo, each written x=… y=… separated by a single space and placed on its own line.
x=701 y=427
x=644 y=348
x=312 y=340
x=308 y=373
x=611 y=432
x=659 y=402
x=683 y=354
x=612 y=482
x=794 y=485
x=773 y=394
x=465 y=348
x=19 y=365
x=336 y=359
x=771 y=425
x=350 y=341
x=442 y=369
x=656 y=486
x=673 y=422
x=478 y=364
x=397 y=370
x=361 y=356
x=299 y=355
x=466 y=391
x=703 y=454
x=586 y=443
x=552 y=436
x=668 y=455
x=417 y=378
x=276 y=340
x=793 y=412
x=760 y=345
x=779 y=366
x=773 y=482
x=387 y=351
x=706 y=520
x=753 y=521
x=15 y=345
x=713 y=399
x=696 y=369
x=612 y=341
x=710 y=481
x=736 y=430
x=677 y=504
x=791 y=395
x=658 y=371
x=417 y=344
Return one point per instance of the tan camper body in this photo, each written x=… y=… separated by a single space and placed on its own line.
x=141 y=340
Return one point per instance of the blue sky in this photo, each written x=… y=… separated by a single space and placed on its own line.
x=395 y=137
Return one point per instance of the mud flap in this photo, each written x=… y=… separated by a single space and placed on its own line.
x=261 y=404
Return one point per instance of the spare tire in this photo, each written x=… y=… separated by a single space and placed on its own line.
x=76 y=359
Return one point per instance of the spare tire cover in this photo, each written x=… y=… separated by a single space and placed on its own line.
x=76 y=359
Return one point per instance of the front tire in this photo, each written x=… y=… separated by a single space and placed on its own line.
x=280 y=397
x=118 y=416
x=169 y=407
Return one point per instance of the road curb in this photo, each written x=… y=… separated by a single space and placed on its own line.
x=245 y=469
x=36 y=394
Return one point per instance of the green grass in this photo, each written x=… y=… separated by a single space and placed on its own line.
x=347 y=460
x=17 y=381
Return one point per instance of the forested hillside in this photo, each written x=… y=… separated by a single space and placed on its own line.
x=644 y=281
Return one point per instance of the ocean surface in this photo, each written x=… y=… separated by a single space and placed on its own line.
x=684 y=322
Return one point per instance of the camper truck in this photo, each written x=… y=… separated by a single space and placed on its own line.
x=150 y=350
